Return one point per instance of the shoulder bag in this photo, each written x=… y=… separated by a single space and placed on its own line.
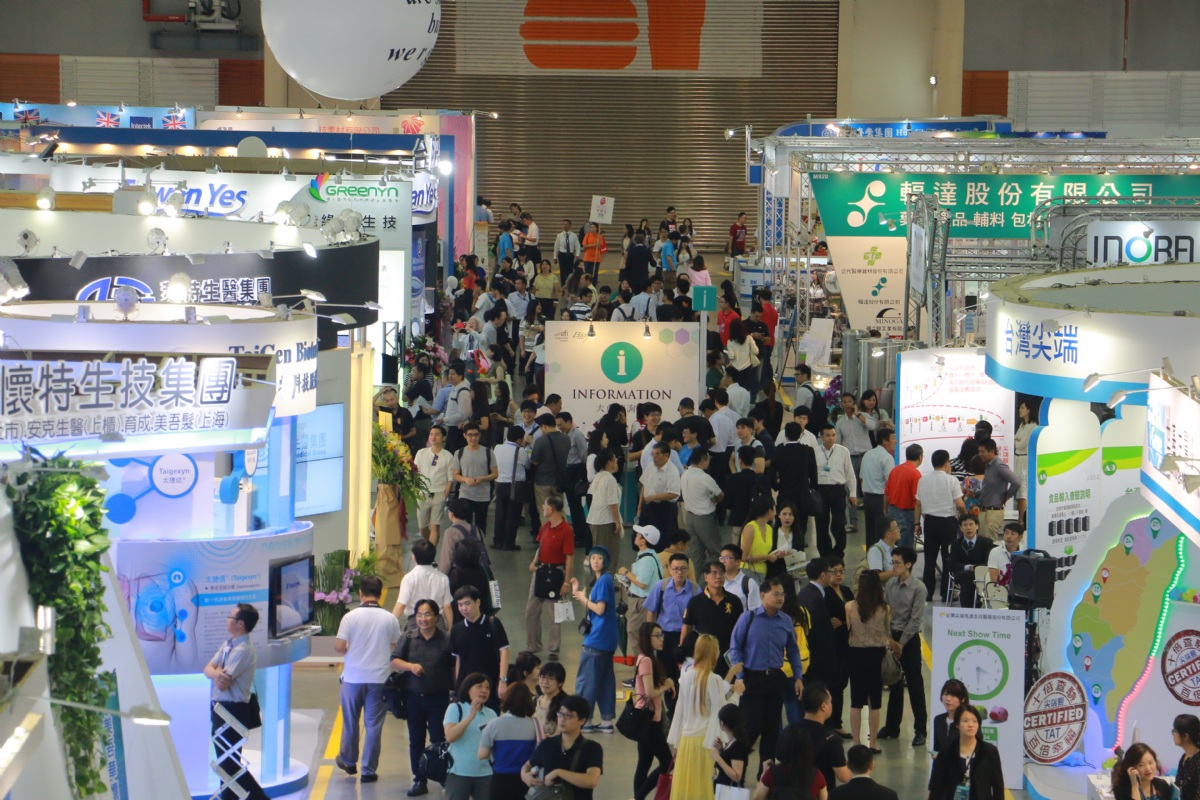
x=248 y=712
x=633 y=720
x=519 y=491
x=560 y=790
x=890 y=669
x=394 y=688
x=548 y=580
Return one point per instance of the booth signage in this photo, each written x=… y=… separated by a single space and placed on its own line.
x=870 y=271
x=1055 y=716
x=1149 y=242
x=942 y=392
x=982 y=648
x=980 y=206
x=1172 y=429
x=50 y=114
x=620 y=365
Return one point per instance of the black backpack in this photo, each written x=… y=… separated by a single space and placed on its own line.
x=818 y=413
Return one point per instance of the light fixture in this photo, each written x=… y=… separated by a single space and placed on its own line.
x=77 y=261
x=591 y=331
x=173 y=205
x=27 y=240
x=126 y=300
x=494 y=115
x=1171 y=463
x=299 y=214
x=933 y=80
x=71 y=104
x=370 y=305
x=730 y=133
x=445 y=167
x=141 y=714
x=90 y=183
x=877 y=352
x=646 y=332
x=239 y=111
x=121 y=108
x=1093 y=380
x=1148 y=232
x=332 y=229
x=1052 y=326
x=310 y=250
x=1191 y=483
x=147 y=204
x=156 y=240
x=352 y=222
x=985 y=294
x=190 y=316
x=283 y=213
x=12 y=285
x=45 y=198
x=349 y=115
x=1120 y=395
x=179 y=288
x=891 y=224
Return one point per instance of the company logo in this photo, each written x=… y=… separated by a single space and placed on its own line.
x=621 y=362
x=101 y=289
x=856 y=219
x=316 y=185
x=891 y=312
x=412 y=125
x=602 y=34
x=871 y=256
x=878 y=287
x=1148 y=247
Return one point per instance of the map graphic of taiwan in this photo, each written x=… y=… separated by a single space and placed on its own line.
x=1116 y=642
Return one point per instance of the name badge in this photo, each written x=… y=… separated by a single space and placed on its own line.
x=825 y=468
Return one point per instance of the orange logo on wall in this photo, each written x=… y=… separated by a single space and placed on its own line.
x=602 y=34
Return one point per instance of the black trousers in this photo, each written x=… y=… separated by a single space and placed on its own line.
x=663 y=515
x=873 y=512
x=940 y=533
x=718 y=470
x=670 y=664
x=505 y=530
x=578 y=472
x=229 y=758
x=762 y=709
x=425 y=713
x=832 y=520
x=566 y=265
x=652 y=745
x=914 y=682
x=455 y=439
x=479 y=512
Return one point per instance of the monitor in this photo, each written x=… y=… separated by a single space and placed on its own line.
x=291 y=604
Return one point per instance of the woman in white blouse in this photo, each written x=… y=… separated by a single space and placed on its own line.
x=743 y=355
x=695 y=726
x=604 y=513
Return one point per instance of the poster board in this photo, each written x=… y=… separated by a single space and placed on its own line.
x=602 y=209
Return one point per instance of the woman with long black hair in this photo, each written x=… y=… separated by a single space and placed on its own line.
x=650 y=684
x=792 y=774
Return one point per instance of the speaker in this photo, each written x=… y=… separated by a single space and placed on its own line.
x=1033 y=575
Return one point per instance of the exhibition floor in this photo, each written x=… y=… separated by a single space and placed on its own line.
x=902 y=767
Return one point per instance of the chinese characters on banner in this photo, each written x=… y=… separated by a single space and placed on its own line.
x=63 y=399
x=1033 y=340
x=241 y=291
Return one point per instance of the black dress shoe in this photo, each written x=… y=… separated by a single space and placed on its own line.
x=889 y=733
x=419 y=788
x=369 y=778
x=349 y=769
x=918 y=740
x=511 y=548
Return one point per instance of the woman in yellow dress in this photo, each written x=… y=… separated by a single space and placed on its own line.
x=695 y=727
x=756 y=536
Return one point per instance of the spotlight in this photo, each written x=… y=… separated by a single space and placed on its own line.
x=445 y=167
x=283 y=213
x=12 y=285
x=190 y=316
x=299 y=214
x=332 y=229
x=891 y=225
x=351 y=223
x=71 y=104
x=148 y=203
x=173 y=205
x=156 y=240
x=90 y=183
x=126 y=300
x=310 y=250
x=730 y=133
x=646 y=332
x=591 y=331
x=1191 y=483
x=933 y=80
x=45 y=198
x=27 y=240
x=179 y=288
x=77 y=260
x=121 y=108
x=877 y=352
x=239 y=111
x=494 y=115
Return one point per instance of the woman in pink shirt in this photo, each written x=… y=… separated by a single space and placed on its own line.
x=697 y=273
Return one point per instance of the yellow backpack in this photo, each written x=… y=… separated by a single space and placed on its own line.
x=803 y=623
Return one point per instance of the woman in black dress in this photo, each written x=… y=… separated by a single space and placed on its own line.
x=974 y=763
x=1186 y=732
x=836 y=597
x=1136 y=776
x=732 y=751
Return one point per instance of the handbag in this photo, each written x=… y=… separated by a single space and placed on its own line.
x=564 y=611
x=585 y=626
x=436 y=761
x=890 y=669
x=548 y=581
x=520 y=492
x=248 y=713
x=394 y=694
x=633 y=720
x=663 y=790
x=811 y=503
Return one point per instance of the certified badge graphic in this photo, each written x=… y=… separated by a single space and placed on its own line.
x=1055 y=715
x=1181 y=666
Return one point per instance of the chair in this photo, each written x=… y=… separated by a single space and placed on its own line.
x=995 y=595
x=952 y=590
x=981 y=581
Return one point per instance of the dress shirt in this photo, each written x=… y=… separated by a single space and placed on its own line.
x=661 y=481
x=699 y=492
x=606 y=493
x=578 y=451
x=855 y=434
x=937 y=492
x=532 y=235
x=773 y=637
x=424 y=582
x=739 y=399
x=441 y=399
x=834 y=468
x=907 y=601
x=518 y=304
x=503 y=457
x=806 y=437
x=1000 y=484
x=724 y=425
x=646 y=461
x=645 y=305
x=876 y=466
x=433 y=654
x=667 y=603
x=438 y=475
x=901 y=488
x=647 y=569
x=879 y=556
x=745 y=590
x=237 y=657
x=567 y=242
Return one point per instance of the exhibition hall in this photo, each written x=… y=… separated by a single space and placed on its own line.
x=600 y=399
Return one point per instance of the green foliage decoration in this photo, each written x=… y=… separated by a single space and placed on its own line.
x=58 y=516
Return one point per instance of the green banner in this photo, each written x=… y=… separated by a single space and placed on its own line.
x=980 y=206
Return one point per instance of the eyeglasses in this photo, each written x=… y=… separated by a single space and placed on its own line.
x=658 y=635
x=839 y=571
x=473 y=435
x=564 y=714
x=774 y=594
x=234 y=617
x=727 y=558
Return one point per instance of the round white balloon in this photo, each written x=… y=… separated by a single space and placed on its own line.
x=351 y=49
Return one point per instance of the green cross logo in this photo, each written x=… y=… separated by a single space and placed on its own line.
x=621 y=362
x=1042 y=476
x=1110 y=468
x=871 y=256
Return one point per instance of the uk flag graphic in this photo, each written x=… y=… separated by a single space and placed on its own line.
x=29 y=116
x=107 y=120
x=174 y=122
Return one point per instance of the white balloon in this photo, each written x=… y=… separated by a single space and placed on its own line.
x=351 y=49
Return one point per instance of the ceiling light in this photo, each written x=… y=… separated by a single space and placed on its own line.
x=45 y=198
x=445 y=167
x=12 y=285
x=179 y=288
x=156 y=240
x=310 y=251
x=730 y=133
x=71 y=104
x=173 y=206
x=147 y=204
x=933 y=80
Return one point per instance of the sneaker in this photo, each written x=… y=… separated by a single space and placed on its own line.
x=918 y=740
x=603 y=728
x=589 y=728
x=418 y=788
x=349 y=769
x=889 y=733
x=554 y=656
x=627 y=684
x=876 y=751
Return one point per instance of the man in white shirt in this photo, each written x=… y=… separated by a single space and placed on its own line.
x=739 y=396
x=659 y=495
x=877 y=464
x=365 y=640
x=437 y=465
x=647 y=457
x=645 y=305
x=879 y=554
x=1000 y=559
x=458 y=407
x=700 y=494
x=724 y=424
x=854 y=429
x=576 y=468
x=567 y=250
x=424 y=582
x=799 y=415
x=741 y=585
x=531 y=239
x=836 y=485
x=939 y=502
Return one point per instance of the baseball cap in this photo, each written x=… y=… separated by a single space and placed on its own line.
x=648 y=532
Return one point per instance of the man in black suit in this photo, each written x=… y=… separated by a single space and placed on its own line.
x=861 y=785
x=967 y=552
x=793 y=469
x=822 y=665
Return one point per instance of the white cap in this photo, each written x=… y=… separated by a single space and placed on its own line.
x=648 y=532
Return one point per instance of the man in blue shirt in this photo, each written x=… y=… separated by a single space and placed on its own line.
x=667 y=601
x=761 y=639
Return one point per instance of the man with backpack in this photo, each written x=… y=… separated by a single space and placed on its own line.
x=461 y=527
x=811 y=397
x=666 y=603
x=738 y=583
x=638 y=580
x=475 y=473
x=549 y=460
x=714 y=611
x=458 y=406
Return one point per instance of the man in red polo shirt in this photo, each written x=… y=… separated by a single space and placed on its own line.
x=556 y=548
x=770 y=318
x=901 y=493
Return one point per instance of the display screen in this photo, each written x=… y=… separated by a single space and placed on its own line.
x=320 y=462
x=291 y=594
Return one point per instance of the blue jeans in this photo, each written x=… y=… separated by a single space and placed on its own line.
x=597 y=683
x=425 y=712
x=365 y=699
x=904 y=518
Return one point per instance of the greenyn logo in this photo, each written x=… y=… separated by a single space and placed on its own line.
x=871 y=256
x=621 y=362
